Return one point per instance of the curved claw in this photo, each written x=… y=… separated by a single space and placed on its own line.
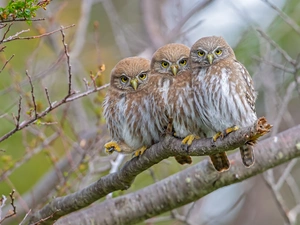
x=231 y=129
x=188 y=140
x=112 y=146
x=218 y=135
x=140 y=151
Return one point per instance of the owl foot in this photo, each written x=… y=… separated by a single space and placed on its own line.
x=231 y=129
x=220 y=161
x=188 y=140
x=112 y=146
x=140 y=151
x=218 y=135
x=183 y=159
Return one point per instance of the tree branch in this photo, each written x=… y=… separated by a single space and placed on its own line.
x=188 y=185
x=122 y=179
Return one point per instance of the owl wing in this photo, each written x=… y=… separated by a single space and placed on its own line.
x=114 y=113
x=250 y=93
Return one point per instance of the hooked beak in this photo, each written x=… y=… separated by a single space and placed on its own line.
x=210 y=58
x=134 y=83
x=174 y=69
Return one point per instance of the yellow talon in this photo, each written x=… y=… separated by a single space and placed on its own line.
x=112 y=146
x=188 y=140
x=231 y=129
x=140 y=151
x=217 y=135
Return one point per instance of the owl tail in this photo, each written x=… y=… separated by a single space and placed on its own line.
x=247 y=155
x=220 y=161
x=183 y=159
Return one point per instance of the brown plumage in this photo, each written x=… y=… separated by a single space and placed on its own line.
x=224 y=94
x=129 y=109
x=173 y=92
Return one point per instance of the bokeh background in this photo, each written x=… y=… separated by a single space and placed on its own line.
x=64 y=152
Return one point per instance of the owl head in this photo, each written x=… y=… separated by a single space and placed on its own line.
x=171 y=59
x=210 y=50
x=130 y=74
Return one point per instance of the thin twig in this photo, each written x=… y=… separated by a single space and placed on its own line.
x=285 y=17
x=19 y=112
x=275 y=65
x=20 y=19
x=25 y=217
x=55 y=105
x=68 y=61
x=4 y=35
x=48 y=98
x=14 y=211
x=278 y=199
x=36 y=36
x=7 y=61
x=32 y=95
x=275 y=45
x=284 y=175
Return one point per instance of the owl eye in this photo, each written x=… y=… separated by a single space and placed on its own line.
x=182 y=62
x=218 y=51
x=124 y=79
x=164 y=64
x=143 y=76
x=201 y=53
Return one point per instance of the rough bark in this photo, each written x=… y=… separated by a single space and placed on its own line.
x=122 y=179
x=188 y=185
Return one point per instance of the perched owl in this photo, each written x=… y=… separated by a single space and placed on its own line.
x=224 y=94
x=128 y=108
x=174 y=91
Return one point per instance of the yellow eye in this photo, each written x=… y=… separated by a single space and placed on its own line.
x=182 y=62
x=201 y=53
x=218 y=51
x=124 y=79
x=164 y=64
x=143 y=76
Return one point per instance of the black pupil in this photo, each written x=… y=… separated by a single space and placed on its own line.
x=165 y=64
x=124 y=78
x=201 y=53
x=182 y=62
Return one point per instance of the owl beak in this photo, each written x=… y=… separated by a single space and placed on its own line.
x=134 y=83
x=210 y=58
x=174 y=69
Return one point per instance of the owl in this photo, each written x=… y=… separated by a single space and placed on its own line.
x=224 y=94
x=173 y=90
x=128 y=108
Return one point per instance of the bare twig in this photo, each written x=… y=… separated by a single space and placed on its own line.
x=20 y=19
x=29 y=155
x=285 y=17
x=25 y=217
x=48 y=98
x=7 y=61
x=4 y=35
x=14 y=211
x=68 y=62
x=191 y=183
x=20 y=126
x=269 y=181
x=275 y=45
x=15 y=37
x=32 y=95
x=115 y=166
x=275 y=65
x=122 y=179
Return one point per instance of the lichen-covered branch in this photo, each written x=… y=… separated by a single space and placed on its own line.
x=188 y=185
x=122 y=179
